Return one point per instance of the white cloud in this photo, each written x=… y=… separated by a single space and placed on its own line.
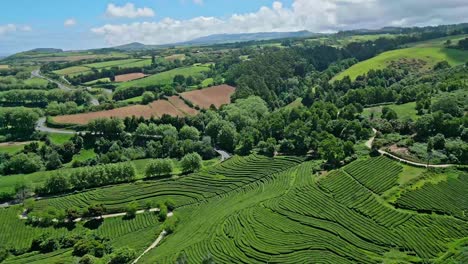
x=198 y=2
x=69 y=22
x=4 y=29
x=129 y=11
x=312 y=15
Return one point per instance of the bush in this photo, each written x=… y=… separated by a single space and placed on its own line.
x=89 y=246
x=170 y=205
x=191 y=162
x=3 y=254
x=123 y=256
x=159 y=167
x=162 y=215
x=87 y=259
x=147 y=97
x=171 y=224
x=131 y=210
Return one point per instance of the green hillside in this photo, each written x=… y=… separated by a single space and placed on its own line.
x=430 y=52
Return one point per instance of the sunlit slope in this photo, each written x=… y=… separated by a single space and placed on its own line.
x=430 y=52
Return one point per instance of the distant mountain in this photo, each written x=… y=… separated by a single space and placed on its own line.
x=222 y=39
x=230 y=38
x=134 y=46
x=44 y=50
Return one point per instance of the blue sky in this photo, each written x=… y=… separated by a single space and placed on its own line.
x=28 y=24
x=46 y=19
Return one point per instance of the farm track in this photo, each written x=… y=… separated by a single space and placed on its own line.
x=37 y=73
x=390 y=155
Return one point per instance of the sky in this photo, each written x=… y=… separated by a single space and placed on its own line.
x=85 y=24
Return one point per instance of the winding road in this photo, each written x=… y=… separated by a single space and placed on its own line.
x=390 y=155
x=37 y=73
x=224 y=154
x=41 y=126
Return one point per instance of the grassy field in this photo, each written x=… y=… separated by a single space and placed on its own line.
x=59 y=138
x=36 y=81
x=72 y=70
x=106 y=80
x=125 y=63
x=167 y=77
x=4 y=66
x=403 y=111
x=431 y=52
x=12 y=148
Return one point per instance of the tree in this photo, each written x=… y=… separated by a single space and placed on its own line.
x=188 y=132
x=53 y=161
x=463 y=44
x=389 y=114
x=96 y=210
x=72 y=213
x=57 y=183
x=147 y=97
x=22 y=190
x=331 y=149
x=267 y=148
x=131 y=210
x=191 y=162
x=159 y=167
x=23 y=164
x=162 y=215
x=123 y=256
x=179 y=79
x=438 y=141
x=441 y=65
x=227 y=137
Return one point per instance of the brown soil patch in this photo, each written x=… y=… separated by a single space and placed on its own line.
x=129 y=77
x=182 y=106
x=4 y=66
x=216 y=95
x=174 y=106
x=156 y=109
x=398 y=150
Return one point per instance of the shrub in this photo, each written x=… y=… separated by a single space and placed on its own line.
x=191 y=162
x=123 y=256
x=147 y=97
x=159 y=167
x=162 y=215
x=131 y=210
x=170 y=205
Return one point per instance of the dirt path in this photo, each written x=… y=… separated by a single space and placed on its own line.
x=8 y=144
x=390 y=155
x=224 y=154
x=41 y=126
x=37 y=73
x=24 y=215
x=155 y=243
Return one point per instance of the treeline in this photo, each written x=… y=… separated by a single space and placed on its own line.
x=103 y=73
x=89 y=177
x=18 y=122
x=41 y=97
x=35 y=157
x=12 y=83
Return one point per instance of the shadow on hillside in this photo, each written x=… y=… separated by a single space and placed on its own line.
x=93 y=224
